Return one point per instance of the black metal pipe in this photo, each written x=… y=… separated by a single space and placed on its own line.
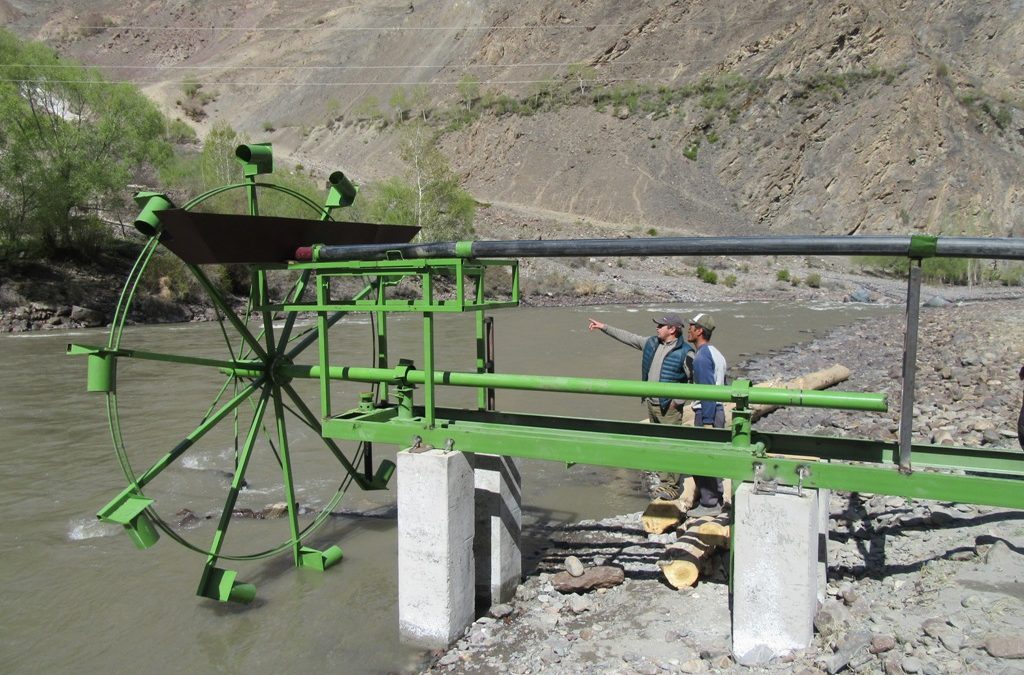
x=951 y=247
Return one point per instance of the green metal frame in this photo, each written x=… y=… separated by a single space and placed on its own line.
x=260 y=368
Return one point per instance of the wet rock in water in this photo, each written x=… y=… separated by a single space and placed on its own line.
x=573 y=566
x=859 y=294
x=595 y=577
x=936 y=301
x=243 y=513
x=274 y=510
x=187 y=518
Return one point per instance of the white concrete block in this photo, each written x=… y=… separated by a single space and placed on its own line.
x=499 y=525
x=824 y=522
x=775 y=573
x=435 y=547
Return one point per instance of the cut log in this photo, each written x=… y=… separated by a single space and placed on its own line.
x=712 y=531
x=660 y=516
x=820 y=379
x=683 y=559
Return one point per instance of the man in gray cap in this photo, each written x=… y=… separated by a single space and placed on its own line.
x=664 y=360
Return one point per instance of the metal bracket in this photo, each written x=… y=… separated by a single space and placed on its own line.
x=802 y=472
x=763 y=486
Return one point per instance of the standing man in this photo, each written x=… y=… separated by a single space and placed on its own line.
x=664 y=360
x=708 y=368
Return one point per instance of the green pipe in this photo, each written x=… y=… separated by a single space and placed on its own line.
x=843 y=400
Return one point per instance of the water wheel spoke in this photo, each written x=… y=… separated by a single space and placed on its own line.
x=286 y=472
x=209 y=423
x=221 y=304
x=239 y=476
x=314 y=423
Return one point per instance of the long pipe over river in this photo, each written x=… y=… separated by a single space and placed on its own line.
x=1007 y=248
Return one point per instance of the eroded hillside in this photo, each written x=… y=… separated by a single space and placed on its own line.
x=716 y=117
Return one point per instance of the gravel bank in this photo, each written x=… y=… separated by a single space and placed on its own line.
x=914 y=586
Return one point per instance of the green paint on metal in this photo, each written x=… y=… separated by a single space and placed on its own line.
x=221 y=585
x=464 y=249
x=319 y=560
x=147 y=221
x=129 y=509
x=255 y=158
x=342 y=191
x=841 y=400
x=922 y=246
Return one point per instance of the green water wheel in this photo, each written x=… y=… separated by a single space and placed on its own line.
x=250 y=409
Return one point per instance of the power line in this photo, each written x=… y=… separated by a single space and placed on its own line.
x=539 y=64
x=317 y=84
x=355 y=29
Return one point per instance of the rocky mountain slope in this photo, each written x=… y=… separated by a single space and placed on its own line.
x=863 y=116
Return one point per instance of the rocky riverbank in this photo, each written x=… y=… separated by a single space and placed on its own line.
x=914 y=586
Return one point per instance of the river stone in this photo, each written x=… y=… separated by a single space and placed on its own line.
x=848 y=647
x=882 y=643
x=859 y=294
x=595 y=577
x=89 y=318
x=187 y=518
x=911 y=664
x=1000 y=556
x=579 y=603
x=1005 y=646
x=573 y=566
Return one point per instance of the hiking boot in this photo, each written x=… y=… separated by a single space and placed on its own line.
x=698 y=511
x=667 y=492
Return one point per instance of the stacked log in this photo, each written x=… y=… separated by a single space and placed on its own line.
x=683 y=559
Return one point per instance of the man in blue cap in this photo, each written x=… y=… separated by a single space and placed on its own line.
x=664 y=360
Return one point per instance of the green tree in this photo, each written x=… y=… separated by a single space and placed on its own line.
x=429 y=196
x=583 y=74
x=400 y=104
x=469 y=90
x=69 y=143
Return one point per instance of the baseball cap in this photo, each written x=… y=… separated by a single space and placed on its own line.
x=705 y=321
x=670 y=320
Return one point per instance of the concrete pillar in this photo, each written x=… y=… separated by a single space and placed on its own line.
x=499 y=524
x=824 y=522
x=435 y=547
x=775 y=572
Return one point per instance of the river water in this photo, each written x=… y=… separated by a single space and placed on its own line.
x=78 y=596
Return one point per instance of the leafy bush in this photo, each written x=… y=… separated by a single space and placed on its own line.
x=813 y=280
x=69 y=144
x=1012 y=275
x=782 y=275
x=168 y=277
x=730 y=280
